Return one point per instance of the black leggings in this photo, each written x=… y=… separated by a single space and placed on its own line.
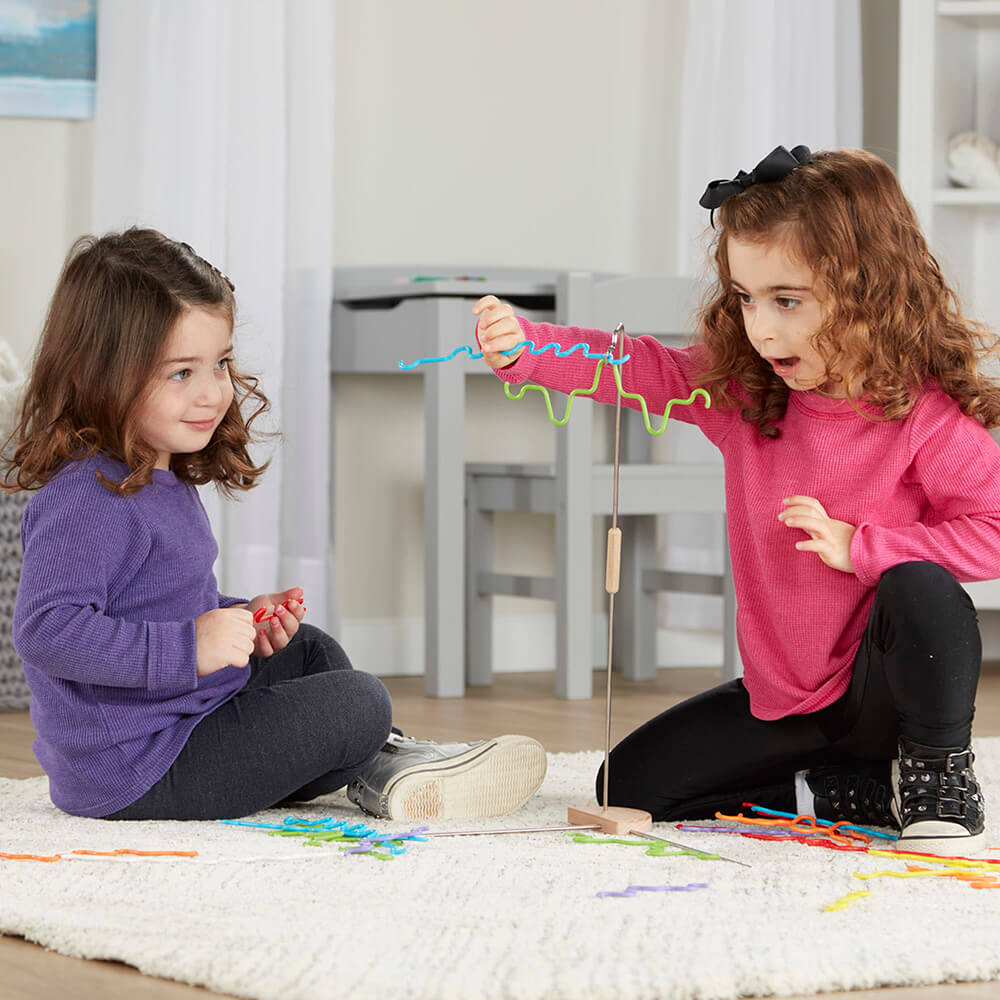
x=303 y=726
x=915 y=675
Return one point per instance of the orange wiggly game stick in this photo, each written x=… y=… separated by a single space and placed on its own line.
x=99 y=854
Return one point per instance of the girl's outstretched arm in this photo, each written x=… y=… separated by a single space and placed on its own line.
x=657 y=372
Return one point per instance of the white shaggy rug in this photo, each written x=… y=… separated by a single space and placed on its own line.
x=262 y=916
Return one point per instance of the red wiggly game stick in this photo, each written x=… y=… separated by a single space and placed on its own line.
x=261 y=615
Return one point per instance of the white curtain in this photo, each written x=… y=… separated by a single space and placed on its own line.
x=756 y=75
x=214 y=124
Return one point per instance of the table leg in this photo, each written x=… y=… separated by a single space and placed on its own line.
x=444 y=517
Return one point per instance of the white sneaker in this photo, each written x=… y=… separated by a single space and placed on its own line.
x=420 y=779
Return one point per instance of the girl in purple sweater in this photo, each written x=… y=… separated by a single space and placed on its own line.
x=861 y=486
x=154 y=696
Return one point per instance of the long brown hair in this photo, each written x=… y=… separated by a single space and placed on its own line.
x=891 y=321
x=116 y=300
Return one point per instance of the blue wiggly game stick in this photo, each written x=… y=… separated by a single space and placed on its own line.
x=559 y=350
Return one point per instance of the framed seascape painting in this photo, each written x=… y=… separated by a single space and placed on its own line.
x=48 y=58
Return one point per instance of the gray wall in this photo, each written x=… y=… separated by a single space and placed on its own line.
x=880 y=69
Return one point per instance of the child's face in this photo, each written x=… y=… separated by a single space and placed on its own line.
x=191 y=389
x=781 y=312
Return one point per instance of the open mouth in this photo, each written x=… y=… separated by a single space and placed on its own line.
x=784 y=366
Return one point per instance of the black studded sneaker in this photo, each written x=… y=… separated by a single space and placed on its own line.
x=860 y=793
x=939 y=800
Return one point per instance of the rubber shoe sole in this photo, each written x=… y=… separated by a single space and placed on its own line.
x=934 y=836
x=940 y=837
x=493 y=779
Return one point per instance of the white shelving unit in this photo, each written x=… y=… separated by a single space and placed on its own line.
x=949 y=82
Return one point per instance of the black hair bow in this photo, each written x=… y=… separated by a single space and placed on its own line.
x=777 y=164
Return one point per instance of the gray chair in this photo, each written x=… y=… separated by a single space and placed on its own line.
x=575 y=490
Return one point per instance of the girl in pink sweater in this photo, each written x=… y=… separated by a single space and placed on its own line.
x=861 y=487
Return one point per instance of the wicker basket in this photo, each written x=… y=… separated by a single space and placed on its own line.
x=14 y=694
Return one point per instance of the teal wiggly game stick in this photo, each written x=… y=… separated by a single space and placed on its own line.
x=557 y=349
x=614 y=820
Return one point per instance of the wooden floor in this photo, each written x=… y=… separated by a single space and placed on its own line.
x=517 y=703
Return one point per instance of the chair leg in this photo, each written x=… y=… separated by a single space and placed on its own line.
x=732 y=664
x=478 y=606
x=574 y=609
x=635 y=608
x=574 y=551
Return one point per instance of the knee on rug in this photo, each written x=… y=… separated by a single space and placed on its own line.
x=363 y=707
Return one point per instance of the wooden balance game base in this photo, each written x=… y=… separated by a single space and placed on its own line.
x=614 y=819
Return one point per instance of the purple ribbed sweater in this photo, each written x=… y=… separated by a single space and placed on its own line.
x=926 y=487
x=104 y=622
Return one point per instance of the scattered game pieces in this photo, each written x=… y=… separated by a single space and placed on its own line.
x=805 y=829
x=69 y=855
x=661 y=850
x=845 y=901
x=30 y=857
x=350 y=838
x=868 y=831
x=976 y=877
x=634 y=890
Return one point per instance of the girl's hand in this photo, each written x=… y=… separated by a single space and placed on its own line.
x=224 y=638
x=829 y=539
x=276 y=618
x=498 y=330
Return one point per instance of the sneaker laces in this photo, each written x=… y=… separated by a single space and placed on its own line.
x=859 y=798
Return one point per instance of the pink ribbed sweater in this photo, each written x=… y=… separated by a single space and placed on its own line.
x=926 y=487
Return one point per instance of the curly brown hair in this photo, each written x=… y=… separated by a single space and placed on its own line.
x=890 y=319
x=115 y=303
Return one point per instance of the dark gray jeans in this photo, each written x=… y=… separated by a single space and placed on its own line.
x=303 y=726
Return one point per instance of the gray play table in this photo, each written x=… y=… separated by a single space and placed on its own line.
x=378 y=321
